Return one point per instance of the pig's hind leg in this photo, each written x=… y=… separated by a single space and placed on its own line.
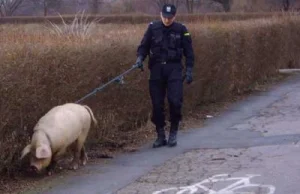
x=76 y=147
x=83 y=156
x=74 y=164
x=79 y=151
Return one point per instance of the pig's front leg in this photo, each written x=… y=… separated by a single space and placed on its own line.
x=51 y=167
x=55 y=158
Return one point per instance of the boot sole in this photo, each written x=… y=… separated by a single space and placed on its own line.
x=172 y=145
x=158 y=146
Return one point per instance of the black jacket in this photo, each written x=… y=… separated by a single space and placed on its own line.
x=166 y=44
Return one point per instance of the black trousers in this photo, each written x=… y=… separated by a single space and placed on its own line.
x=166 y=80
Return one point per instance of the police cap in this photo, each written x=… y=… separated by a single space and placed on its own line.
x=168 y=10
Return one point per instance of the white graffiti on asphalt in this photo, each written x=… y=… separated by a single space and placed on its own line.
x=240 y=184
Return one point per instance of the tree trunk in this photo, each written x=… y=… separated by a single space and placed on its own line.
x=190 y=6
x=286 y=5
x=45 y=8
x=225 y=3
x=95 y=6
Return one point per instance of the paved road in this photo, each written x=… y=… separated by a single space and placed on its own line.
x=253 y=148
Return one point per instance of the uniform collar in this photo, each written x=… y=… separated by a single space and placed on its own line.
x=163 y=25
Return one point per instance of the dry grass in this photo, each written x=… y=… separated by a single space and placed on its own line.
x=39 y=70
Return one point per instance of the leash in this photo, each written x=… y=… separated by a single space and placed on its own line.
x=119 y=79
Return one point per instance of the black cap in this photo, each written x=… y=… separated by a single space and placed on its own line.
x=168 y=10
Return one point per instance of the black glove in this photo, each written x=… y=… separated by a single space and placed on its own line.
x=189 y=76
x=139 y=63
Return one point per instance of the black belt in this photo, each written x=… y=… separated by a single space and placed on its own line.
x=165 y=62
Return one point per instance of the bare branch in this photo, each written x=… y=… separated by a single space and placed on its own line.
x=160 y=3
x=225 y=3
x=8 y=7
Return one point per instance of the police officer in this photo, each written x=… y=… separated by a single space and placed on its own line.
x=165 y=41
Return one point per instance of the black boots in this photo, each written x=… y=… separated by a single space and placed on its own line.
x=161 y=138
x=172 y=140
x=173 y=135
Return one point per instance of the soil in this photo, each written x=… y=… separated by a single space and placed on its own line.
x=194 y=119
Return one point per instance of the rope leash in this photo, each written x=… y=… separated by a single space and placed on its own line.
x=118 y=79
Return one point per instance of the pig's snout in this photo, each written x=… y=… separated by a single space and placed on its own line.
x=33 y=169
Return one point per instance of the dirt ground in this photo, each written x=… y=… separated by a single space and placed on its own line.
x=145 y=134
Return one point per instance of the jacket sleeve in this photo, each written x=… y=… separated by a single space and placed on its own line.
x=188 y=48
x=144 y=47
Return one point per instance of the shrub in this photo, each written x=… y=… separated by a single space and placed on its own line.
x=39 y=71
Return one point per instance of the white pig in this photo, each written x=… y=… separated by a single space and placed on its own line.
x=64 y=126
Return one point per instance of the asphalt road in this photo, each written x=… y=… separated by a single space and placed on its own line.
x=252 y=148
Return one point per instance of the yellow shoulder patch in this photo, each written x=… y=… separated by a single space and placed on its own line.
x=186 y=34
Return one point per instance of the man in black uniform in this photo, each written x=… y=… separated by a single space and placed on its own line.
x=165 y=42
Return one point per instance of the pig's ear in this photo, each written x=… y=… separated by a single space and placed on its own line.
x=43 y=151
x=25 y=151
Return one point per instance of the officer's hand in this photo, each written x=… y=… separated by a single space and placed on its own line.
x=189 y=76
x=139 y=63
